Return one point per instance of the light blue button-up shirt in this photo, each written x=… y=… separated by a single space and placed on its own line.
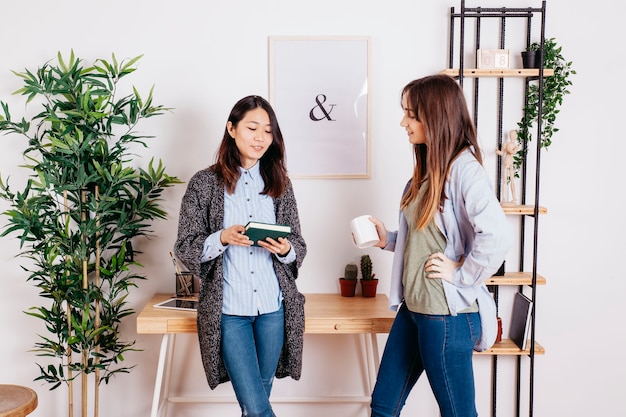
x=250 y=283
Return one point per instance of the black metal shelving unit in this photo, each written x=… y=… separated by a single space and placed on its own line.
x=527 y=210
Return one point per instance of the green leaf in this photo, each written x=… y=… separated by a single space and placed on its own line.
x=128 y=67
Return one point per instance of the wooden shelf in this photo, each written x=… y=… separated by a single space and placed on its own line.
x=515 y=278
x=509 y=72
x=522 y=209
x=507 y=347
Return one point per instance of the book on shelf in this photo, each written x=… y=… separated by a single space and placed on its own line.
x=520 y=320
x=261 y=231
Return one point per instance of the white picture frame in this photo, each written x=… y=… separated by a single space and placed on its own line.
x=319 y=88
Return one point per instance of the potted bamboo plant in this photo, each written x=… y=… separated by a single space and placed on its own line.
x=82 y=207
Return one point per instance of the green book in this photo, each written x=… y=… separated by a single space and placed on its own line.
x=261 y=231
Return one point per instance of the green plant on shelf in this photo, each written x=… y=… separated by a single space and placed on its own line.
x=555 y=88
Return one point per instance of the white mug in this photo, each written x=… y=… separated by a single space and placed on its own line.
x=364 y=232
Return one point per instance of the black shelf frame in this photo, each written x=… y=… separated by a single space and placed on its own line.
x=458 y=18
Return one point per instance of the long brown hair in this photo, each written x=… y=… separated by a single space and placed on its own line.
x=438 y=102
x=273 y=168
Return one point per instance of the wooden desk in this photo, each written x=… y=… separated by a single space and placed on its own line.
x=324 y=314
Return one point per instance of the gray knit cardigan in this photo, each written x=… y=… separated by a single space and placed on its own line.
x=201 y=214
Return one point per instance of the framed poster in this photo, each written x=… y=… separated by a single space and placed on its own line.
x=319 y=89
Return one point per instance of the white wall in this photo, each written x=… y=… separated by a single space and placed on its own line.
x=203 y=56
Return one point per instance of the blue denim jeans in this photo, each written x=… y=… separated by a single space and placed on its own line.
x=441 y=345
x=251 y=346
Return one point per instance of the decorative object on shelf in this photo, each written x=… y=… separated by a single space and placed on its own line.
x=368 y=281
x=82 y=208
x=555 y=88
x=492 y=58
x=348 y=282
x=507 y=152
x=531 y=56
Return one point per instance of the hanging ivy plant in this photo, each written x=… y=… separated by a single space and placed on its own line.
x=81 y=208
x=555 y=88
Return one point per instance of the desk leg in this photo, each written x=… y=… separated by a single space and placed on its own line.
x=372 y=360
x=162 y=382
x=376 y=357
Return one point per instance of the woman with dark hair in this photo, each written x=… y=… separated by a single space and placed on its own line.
x=453 y=235
x=251 y=314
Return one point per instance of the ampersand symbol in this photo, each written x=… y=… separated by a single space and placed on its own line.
x=321 y=107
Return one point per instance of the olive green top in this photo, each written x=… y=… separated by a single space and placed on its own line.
x=422 y=294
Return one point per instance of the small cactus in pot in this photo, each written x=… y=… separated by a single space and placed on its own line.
x=348 y=282
x=368 y=281
x=350 y=272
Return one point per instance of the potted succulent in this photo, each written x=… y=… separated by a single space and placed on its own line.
x=368 y=281
x=83 y=206
x=554 y=87
x=348 y=281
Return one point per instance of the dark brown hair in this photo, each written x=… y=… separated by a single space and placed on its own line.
x=273 y=168
x=438 y=102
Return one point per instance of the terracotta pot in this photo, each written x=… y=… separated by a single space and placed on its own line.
x=348 y=287
x=368 y=287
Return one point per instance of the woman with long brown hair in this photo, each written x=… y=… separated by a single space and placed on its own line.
x=452 y=236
